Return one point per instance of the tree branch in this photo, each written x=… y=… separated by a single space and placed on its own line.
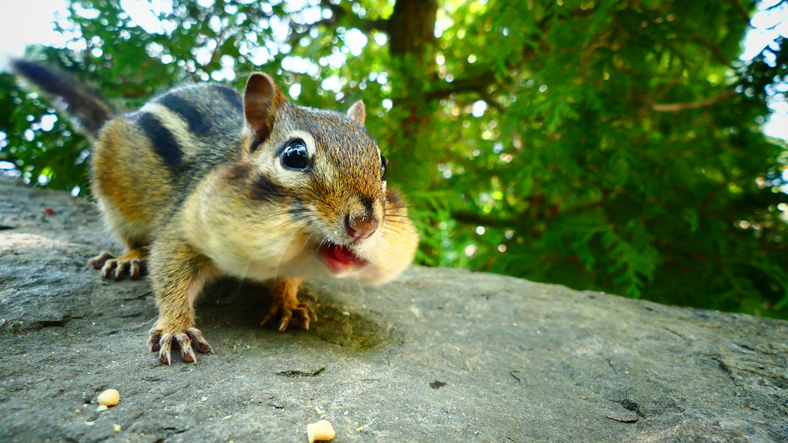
x=740 y=9
x=480 y=82
x=491 y=101
x=472 y=84
x=338 y=13
x=714 y=49
x=675 y=107
x=472 y=218
x=368 y=26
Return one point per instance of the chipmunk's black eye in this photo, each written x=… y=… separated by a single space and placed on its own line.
x=295 y=155
x=384 y=164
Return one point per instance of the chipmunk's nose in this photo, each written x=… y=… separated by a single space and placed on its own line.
x=362 y=226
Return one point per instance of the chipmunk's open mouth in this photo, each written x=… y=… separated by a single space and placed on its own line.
x=339 y=258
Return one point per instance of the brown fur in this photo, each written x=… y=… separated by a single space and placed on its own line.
x=194 y=182
x=116 y=171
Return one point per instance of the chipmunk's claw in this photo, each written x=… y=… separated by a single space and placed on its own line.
x=165 y=342
x=301 y=311
x=98 y=261
x=131 y=263
x=165 y=355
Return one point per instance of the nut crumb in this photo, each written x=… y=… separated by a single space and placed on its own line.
x=320 y=431
x=109 y=398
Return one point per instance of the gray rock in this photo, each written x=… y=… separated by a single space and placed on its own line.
x=439 y=355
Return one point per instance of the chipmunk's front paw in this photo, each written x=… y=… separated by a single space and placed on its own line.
x=300 y=311
x=164 y=340
x=131 y=263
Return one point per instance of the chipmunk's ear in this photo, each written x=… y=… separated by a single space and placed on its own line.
x=262 y=97
x=357 y=112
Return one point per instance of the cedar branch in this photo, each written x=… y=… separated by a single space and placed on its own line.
x=471 y=84
x=675 y=107
x=472 y=218
x=338 y=13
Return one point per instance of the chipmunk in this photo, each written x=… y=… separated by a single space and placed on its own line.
x=202 y=182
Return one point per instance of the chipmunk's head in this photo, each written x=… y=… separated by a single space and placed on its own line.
x=315 y=183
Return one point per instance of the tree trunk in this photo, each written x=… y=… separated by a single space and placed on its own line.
x=412 y=28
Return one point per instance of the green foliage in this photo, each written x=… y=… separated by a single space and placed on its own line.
x=609 y=145
x=46 y=149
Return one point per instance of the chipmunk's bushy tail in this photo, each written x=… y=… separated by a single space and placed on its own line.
x=86 y=107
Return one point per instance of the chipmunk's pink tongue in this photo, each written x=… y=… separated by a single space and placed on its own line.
x=342 y=254
x=340 y=258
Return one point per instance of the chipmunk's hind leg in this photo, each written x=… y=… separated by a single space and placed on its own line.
x=285 y=305
x=131 y=263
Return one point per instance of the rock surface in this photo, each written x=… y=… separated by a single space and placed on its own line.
x=439 y=355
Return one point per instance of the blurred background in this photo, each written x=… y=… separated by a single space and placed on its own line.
x=636 y=147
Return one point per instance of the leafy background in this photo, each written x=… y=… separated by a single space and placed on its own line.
x=608 y=145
